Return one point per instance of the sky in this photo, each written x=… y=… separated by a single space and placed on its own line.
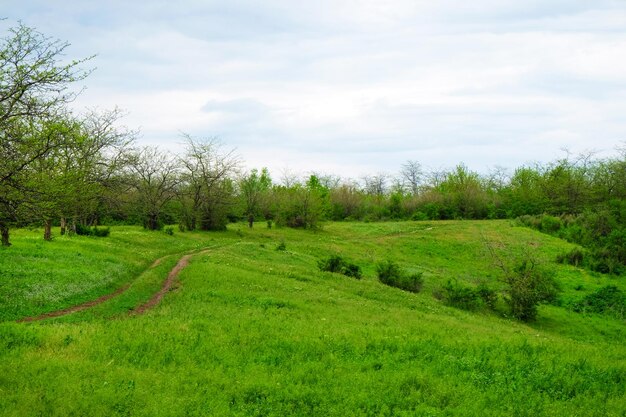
x=354 y=88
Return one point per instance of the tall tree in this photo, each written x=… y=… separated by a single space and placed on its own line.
x=34 y=88
x=411 y=174
x=155 y=178
x=208 y=174
x=253 y=186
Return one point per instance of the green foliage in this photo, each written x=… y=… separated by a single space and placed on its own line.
x=528 y=286
x=601 y=232
x=574 y=257
x=608 y=300
x=460 y=296
x=333 y=264
x=338 y=265
x=282 y=246
x=550 y=224
x=92 y=231
x=488 y=295
x=169 y=231
x=390 y=273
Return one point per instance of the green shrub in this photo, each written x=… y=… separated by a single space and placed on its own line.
x=574 y=257
x=419 y=216
x=92 y=231
x=333 y=264
x=488 y=295
x=529 y=285
x=352 y=270
x=83 y=230
x=457 y=295
x=550 y=224
x=338 y=265
x=100 y=232
x=169 y=231
x=389 y=273
x=608 y=300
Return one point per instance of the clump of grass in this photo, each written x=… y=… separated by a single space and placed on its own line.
x=169 y=231
x=390 y=273
x=338 y=265
x=282 y=246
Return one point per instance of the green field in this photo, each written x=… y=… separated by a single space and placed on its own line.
x=250 y=330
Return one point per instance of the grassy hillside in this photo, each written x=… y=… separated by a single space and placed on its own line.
x=251 y=330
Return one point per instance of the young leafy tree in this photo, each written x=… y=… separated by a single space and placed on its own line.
x=34 y=90
x=253 y=188
x=528 y=283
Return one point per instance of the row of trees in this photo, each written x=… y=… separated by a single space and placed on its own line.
x=67 y=169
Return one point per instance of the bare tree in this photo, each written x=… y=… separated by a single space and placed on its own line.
x=208 y=174
x=156 y=179
x=376 y=185
x=411 y=173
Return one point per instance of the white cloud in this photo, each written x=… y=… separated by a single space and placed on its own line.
x=357 y=86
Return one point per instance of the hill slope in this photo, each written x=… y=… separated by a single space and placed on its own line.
x=251 y=330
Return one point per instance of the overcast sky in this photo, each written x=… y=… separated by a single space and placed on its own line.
x=355 y=87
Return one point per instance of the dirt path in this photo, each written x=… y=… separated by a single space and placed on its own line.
x=167 y=285
x=74 y=309
x=153 y=301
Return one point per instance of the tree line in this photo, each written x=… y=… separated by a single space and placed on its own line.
x=62 y=169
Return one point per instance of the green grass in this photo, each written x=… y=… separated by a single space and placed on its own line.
x=250 y=330
x=38 y=276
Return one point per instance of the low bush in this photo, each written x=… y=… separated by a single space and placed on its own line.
x=389 y=273
x=338 y=265
x=169 y=231
x=92 y=231
x=333 y=264
x=574 y=257
x=608 y=300
x=528 y=285
x=105 y=232
x=550 y=224
x=460 y=296
x=488 y=295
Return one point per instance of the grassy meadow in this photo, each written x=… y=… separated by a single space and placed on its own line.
x=250 y=330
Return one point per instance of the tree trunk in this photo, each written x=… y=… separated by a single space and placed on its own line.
x=63 y=225
x=152 y=222
x=47 y=231
x=250 y=221
x=4 y=232
x=73 y=227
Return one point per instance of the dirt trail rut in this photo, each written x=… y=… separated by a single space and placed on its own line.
x=156 y=298
x=167 y=285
